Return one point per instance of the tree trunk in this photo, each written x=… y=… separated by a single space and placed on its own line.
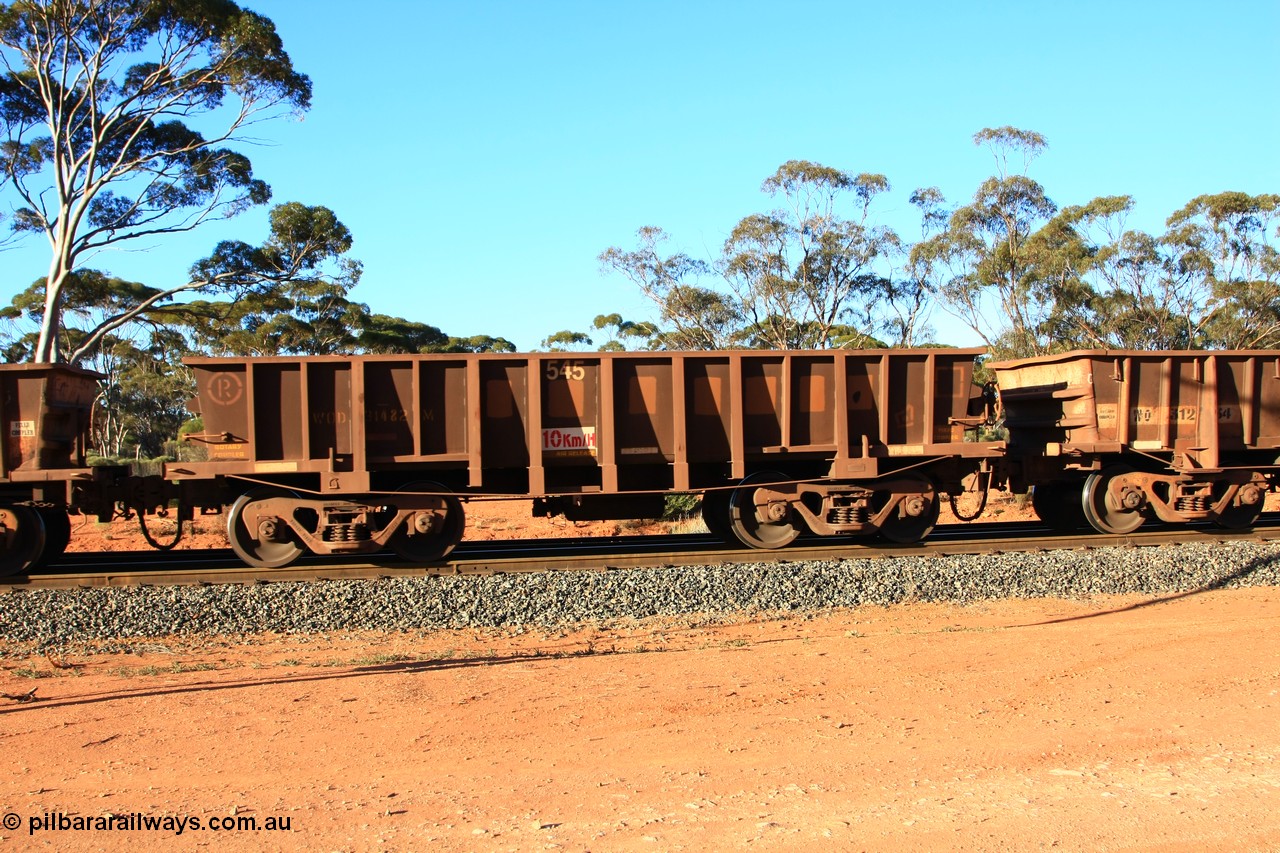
x=47 y=345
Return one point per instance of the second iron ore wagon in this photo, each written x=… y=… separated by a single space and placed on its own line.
x=351 y=454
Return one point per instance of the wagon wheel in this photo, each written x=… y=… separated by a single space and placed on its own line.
x=1106 y=514
x=1238 y=516
x=22 y=539
x=716 y=515
x=57 y=533
x=1058 y=505
x=271 y=545
x=916 y=515
x=745 y=523
x=429 y=535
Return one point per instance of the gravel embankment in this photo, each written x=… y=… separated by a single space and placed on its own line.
x=50 y=618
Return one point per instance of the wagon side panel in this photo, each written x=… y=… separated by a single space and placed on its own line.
x=328 y=422
x=570 y=426
x=709 y=408
x=646 y=442
x=813 y=409
x=224 y=394
x=504 y=414
x=445 y=407
x=867 y=419
x=277 y=412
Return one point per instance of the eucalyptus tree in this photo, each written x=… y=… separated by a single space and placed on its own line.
x=814 y=273
x=622 y=331
x=93 y=298
x=1211 y=280
x=566 y=341
x=99 y=106
x=1108 y=286
x=143 y=399
x=805 y=269
x=385 y=334
x=911 y=293
x=144 y=386
x=287 y=294
x=690 y=315
x=474 y=343
x=1223 y=249
x=985 y=274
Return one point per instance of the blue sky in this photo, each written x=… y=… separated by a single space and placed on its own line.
x=484 y=153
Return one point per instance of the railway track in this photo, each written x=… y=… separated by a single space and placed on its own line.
x=94 y=570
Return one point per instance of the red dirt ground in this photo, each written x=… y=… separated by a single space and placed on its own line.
x=1109 y=724
x=1104 y=724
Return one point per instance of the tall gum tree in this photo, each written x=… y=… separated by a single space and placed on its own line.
x=987 y=277
x=804 y=274
x=690 y=316
x=808 y=275
x=1112 y=287
x=1226 y=247
x=287 y=294
x=98 y=100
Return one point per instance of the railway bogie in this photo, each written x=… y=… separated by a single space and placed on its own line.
x=271 y=527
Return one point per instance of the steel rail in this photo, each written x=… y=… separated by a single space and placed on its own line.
x=613 y=553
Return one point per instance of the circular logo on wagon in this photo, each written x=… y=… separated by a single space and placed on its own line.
x=225 y=389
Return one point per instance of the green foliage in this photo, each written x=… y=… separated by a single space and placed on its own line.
x=680 y=505
x=138 y=466
x=95 y=104
x=381 y=333
x=1007 y=142
x=1226 y=248
x=690 y=316
x=981 y=265
x=816 y=273
x=565 y=341
x=119 y=119
x=1032 y=279
x=801 y=271
x=289 y=294
x=1028 y=277
x=621 y=332
x=476 y=343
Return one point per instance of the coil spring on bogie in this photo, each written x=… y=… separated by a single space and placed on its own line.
x=345 y=533
x=848 y=515
x=1193 y=503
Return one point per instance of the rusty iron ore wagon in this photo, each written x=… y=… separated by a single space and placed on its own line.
x=357 y=454
x=346 y=455
x=1113 y=438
